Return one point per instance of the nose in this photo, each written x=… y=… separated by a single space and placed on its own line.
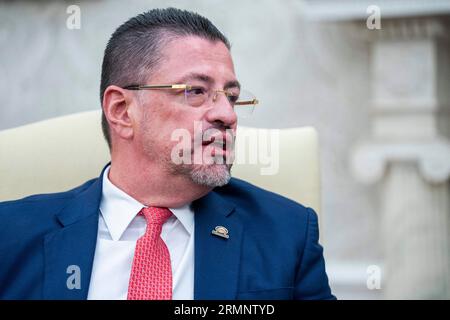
x=222 y=112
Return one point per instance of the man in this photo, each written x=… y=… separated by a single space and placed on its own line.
x=161 y=222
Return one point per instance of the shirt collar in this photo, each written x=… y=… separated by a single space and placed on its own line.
x=118 y=209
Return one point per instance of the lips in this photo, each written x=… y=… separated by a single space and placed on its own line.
x=208 y=141
x=220 y=143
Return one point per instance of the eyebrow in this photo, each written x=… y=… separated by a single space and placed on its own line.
x=205 y=78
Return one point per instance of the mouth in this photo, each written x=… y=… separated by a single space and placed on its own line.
x=219 y=140
x=216 y=141
x=208 y=141
x=219 y=145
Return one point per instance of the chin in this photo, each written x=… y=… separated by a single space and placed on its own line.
x=214 y=175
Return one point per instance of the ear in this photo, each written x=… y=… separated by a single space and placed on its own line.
x=116 y=106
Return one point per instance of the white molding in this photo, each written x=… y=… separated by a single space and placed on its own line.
x=369 y=160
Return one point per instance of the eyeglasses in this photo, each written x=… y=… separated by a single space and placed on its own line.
x=197 y=96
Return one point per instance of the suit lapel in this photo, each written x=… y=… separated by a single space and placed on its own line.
x=69 y=251
x=216 y=259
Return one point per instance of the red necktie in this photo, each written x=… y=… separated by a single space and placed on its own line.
x=151 y=273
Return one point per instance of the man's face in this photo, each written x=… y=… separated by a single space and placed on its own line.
x=164 y=113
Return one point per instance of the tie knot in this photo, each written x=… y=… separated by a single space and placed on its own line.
x=156 y=215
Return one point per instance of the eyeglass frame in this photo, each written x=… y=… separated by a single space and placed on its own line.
x=183 y=86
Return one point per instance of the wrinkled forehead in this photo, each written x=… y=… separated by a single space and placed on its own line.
x=186 y=56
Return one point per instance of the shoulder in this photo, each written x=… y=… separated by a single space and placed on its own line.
x=263 y=205
x=37 y=208
x=246 y=194
x=275 y=227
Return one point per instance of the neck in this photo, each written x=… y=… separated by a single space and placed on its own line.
x=151 y=185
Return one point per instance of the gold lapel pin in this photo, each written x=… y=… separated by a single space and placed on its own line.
x=220 y=231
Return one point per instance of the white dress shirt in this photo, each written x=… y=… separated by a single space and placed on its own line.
x=119 y=228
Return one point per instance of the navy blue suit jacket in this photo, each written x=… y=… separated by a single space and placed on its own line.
x=272 y=251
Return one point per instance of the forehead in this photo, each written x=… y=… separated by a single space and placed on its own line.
x=188 y=55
